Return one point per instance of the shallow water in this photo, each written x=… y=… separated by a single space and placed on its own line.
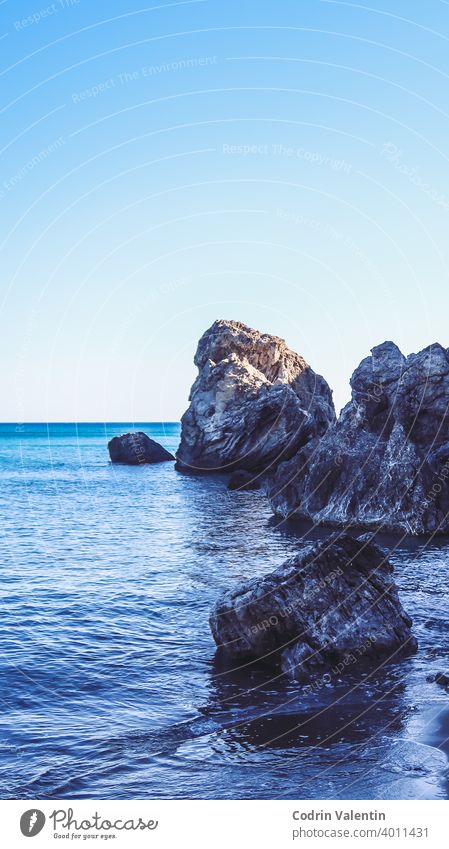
x=109 y=684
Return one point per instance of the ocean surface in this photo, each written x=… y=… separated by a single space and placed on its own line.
x=109 y=683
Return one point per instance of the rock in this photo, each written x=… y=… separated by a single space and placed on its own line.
x=385 y=462
x=135 y=449
x=320 y=614
x=253 y=404
x=442 y=678
x=243 y=480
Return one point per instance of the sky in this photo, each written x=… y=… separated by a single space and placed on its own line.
x=282 y=164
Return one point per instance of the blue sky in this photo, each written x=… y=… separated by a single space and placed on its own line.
x=284 y=164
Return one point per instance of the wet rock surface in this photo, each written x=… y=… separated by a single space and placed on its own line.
x=241 y=480
x=254 y=403
x=320 y=614
x=135 y=449
x=385 y=462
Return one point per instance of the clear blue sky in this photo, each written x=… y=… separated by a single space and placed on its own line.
x=284 y=164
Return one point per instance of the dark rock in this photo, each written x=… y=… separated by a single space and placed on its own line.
x=385 y=462
x=321 y=613
x=442 y=678
x=135 y=449
x=243 y=480
x=253 y=404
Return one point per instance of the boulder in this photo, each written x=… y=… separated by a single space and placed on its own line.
x=332 y=608
x=254 y=403
x=243 y=480
x=385 y=462
x=135 y=449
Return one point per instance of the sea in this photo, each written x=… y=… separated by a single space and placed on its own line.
x=110 y=687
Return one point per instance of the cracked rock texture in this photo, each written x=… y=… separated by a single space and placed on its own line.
x=321 y=613
x=254 y=403
x=385 y=462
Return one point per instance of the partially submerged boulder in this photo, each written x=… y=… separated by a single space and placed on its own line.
x=135 y=449
x=254 y=403
x=320 y=613
x=385 y=462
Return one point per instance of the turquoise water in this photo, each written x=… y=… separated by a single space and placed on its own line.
x=109 y=684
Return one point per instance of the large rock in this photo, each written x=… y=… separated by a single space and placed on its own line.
x=254 y=402
x=135 y=449
x=385 y=462
x=241 y=480
x=321 y=613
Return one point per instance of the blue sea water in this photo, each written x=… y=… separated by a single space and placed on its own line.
x=109 y=683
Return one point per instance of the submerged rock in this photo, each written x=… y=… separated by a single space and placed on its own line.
x=323 y=612
x=135 y=449
x=243 y=480
x=254 y=403
x=385 y=462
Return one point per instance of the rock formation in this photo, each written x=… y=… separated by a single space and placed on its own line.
x=253 y=404
x=242 y=480
x=319 y=614
x=385 y=462
x=135 y=449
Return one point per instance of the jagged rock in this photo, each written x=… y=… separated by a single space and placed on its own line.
x=442 y=678
x=254 y=402
x=243 y=480
x=320 y=613
x=135 y=449
x=385 y=462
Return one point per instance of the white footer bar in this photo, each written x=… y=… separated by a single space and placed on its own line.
x=224 y=824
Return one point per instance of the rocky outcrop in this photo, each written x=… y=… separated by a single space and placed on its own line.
x=319 y=614
x=253 y=404
x=241 y=480
x=385 y=462
x=135 y=449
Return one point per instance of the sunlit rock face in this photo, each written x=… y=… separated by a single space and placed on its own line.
x=254 y=403
x=331 y=611
x=385 y=462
